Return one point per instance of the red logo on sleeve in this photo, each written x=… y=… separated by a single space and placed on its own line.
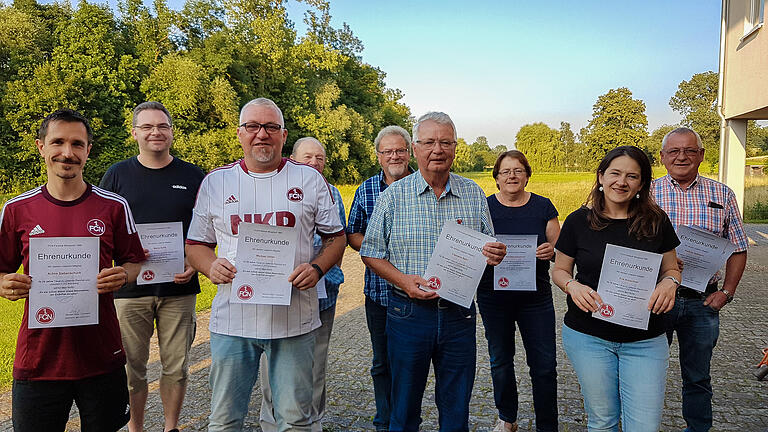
x=433 y=283
x=96 y=227
x=295 y=194
x=148 y=275
x=503 y=282
x=606 y=310
x=245 y=292
x=45 y=315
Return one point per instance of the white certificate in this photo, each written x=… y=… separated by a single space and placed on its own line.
x=165 y=242
x=63 y=271
x=703 y=253
x=265 y=258
x=627 y=279
x=517 y=271
x=457 y=263
x=321 y=291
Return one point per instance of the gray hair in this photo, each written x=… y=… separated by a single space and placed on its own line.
x=393 y=130
x=681 y=130
x=150 y=105
x=301 y=141
x=437 y=117
x=263 y=102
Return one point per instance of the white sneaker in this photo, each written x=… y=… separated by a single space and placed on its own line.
x=502 y=426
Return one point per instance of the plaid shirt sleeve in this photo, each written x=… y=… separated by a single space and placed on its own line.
x=358 y=218
x=376 y=241
x=736 y=232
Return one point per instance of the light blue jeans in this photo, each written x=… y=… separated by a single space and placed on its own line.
x=619 y=379
x=235 y=368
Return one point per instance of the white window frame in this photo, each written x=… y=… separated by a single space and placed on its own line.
x=753 y=19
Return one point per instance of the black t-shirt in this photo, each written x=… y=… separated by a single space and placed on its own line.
x=587 y=248
x=156 y=195
x=530 y=218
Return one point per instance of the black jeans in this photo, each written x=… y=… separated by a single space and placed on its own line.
x=44 y=405
x=376 y=317
x=536 y=319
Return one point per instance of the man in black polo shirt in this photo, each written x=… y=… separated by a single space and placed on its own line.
x=159 y=188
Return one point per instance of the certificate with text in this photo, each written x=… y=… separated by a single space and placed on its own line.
x=627 y=280
x=457 y=264
x=265 y=258
x=165 y=242
x=703 y=254
x=517 y=271
x=63 y=272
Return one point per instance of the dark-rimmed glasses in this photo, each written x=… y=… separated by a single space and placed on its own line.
x=253 y=127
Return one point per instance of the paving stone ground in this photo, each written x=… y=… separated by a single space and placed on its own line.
x=740 y=401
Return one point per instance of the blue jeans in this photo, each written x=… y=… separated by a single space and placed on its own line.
x=376 y=317
x=439 y=332
x=536 y=319
x=235 y=368
x=698 y=328
x=619 y=380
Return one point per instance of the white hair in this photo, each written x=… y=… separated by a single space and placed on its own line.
x=392 y=130
x=681 y=130
x=263 y=102
x=437 y=117
x=303 y=140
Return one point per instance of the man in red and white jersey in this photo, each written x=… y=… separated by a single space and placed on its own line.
x=265 y=188
x=55 y=366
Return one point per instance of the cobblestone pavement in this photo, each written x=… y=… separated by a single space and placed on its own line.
x=740 y=401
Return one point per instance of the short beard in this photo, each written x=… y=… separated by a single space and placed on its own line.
x=397 y=172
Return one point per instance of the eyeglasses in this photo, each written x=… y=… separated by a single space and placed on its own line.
x=163 y=127
x=688 y=152
x=517 y=172
x=389 y=153
x=445 y=145
x=253 y=127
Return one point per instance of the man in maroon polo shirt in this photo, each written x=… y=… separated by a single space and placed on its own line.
x=54 y=367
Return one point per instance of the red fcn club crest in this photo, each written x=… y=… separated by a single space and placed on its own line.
x=606 y=310
x=245 y=292
x=295 y=194
x=96 y=227
x=45 y=315
x=433 y=283
x=148 y=275
x=503 y=282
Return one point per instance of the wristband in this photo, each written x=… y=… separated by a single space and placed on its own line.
x=566 y=284
x=319 y=271
x=673 y=279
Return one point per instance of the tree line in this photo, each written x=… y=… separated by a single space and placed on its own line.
x=203 y=62
x=619 y=119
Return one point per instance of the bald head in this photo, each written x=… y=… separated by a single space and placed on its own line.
x=310 y=151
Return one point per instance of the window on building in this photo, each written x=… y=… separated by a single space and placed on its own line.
x=754 y=17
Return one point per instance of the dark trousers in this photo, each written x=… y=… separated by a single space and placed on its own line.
x=698 y=328
x=436 y=332
x=500 y=312
x=44 y=405
x=376 y=317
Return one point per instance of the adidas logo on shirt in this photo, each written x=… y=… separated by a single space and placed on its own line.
x=231 y=200
x=37 y=230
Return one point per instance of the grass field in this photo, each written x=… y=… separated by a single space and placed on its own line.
x=566 y=190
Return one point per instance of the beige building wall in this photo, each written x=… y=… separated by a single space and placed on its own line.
x=744 y=87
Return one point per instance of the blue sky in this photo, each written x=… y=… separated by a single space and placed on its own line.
x=497 y=65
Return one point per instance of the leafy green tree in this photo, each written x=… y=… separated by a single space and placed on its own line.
x=541 y=146
x=463 y=161
x=696 y=101
x=652 y=144
x=617 y=119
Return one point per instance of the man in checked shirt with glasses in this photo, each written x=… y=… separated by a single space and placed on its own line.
x=693 y=200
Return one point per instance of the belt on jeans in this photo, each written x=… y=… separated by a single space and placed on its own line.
x=688 y=293
x=437 y=303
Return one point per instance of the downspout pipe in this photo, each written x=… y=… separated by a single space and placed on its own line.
x=721 y=86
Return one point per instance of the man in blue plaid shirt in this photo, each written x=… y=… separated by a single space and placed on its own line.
x=421 y=327
x=393 y=149
x=693 y=200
